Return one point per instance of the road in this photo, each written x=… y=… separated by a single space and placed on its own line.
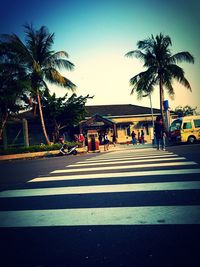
x=132 y=207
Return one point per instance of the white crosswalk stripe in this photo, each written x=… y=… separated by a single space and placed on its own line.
x=102 y=189
x=146 y=153
x=135 y=166
x=116 y=175
x=127 y=158
x=125 y=161
x=101 y=216
x=116 y=166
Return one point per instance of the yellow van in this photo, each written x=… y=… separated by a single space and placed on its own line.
x=185 y=129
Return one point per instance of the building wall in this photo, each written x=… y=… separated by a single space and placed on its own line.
x=126 y=125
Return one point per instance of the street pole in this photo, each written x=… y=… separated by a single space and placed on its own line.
x=152 y=117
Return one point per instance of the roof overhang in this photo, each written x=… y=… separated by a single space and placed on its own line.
x=97 y=120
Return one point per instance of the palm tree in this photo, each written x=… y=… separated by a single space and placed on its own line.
x=161 y=67
x=41 y=63
x=13 y=85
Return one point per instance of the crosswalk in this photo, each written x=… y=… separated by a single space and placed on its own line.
x=127 y=187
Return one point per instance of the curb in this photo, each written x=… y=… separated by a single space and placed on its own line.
x=80 y=151
x=29 y=155
x=35 y=154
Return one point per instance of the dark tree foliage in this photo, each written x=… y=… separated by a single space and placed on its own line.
x=13 y=85
x=65 y=113
x=185 y=111
x=161 y=67
x=41 y=63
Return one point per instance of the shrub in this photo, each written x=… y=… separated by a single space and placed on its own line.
x=35 y=148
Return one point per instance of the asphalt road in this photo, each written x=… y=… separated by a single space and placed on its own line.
x=134 y=208
x=191 y=152
x=21 y=170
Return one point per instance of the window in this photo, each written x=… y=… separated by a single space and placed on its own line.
x=129 y=131
x=197 y=123
x=187 y=125
x=176 y=125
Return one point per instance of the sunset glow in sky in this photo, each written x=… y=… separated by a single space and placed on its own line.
x=97 y=35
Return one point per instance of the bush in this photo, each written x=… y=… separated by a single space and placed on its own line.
x=35 y=148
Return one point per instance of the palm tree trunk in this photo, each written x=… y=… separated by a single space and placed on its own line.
x=2 y=124
x=34 y=110
x=161 y=97
x=42 y=119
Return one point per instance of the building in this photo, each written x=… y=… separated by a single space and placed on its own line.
x=121 y=120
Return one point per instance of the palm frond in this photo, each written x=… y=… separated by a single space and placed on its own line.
x=5 y=38
x=55 y=61
x=134 y=80
x=46 y=38
x=46 y=45
x=143 y=83
x=136 y=53
x=54 y=77
x=178 y=74
x=169 y=87
x=63 y=63
x=30 y=39
x=39 y=42
x=181 y=57
x=46 y=87
x=146 y=44
x=17 y=47
x=60 y=54
x=185 y=83
x=163 y=40
x=150 y=60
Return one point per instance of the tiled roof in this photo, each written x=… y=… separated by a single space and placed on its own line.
x=119 y=110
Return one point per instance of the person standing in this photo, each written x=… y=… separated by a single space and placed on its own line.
x=142 y=136
x=139 y=137
x=160 y=133
x=100 y=138
x=134 y=141
x=106 y=142
x=81 y=139
x=114 y=139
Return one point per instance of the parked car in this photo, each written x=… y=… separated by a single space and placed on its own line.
x=185 y=130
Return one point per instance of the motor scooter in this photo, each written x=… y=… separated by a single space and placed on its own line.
x=67 y=150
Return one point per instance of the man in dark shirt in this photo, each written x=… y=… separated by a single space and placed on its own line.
x=160 y=133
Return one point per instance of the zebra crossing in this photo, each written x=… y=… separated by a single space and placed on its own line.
x=130 y=187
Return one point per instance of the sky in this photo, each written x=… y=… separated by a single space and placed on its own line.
x=97 y=35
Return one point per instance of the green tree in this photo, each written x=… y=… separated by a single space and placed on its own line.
x=185 y=111
x=64 y=112
x=13 y=85
x=161 y=67
x=41 y=63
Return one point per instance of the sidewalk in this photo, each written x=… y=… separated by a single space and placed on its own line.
x=80 y=151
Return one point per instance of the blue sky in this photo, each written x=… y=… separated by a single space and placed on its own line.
x=97 y=34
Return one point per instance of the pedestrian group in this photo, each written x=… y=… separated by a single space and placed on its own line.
x=160 y=134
